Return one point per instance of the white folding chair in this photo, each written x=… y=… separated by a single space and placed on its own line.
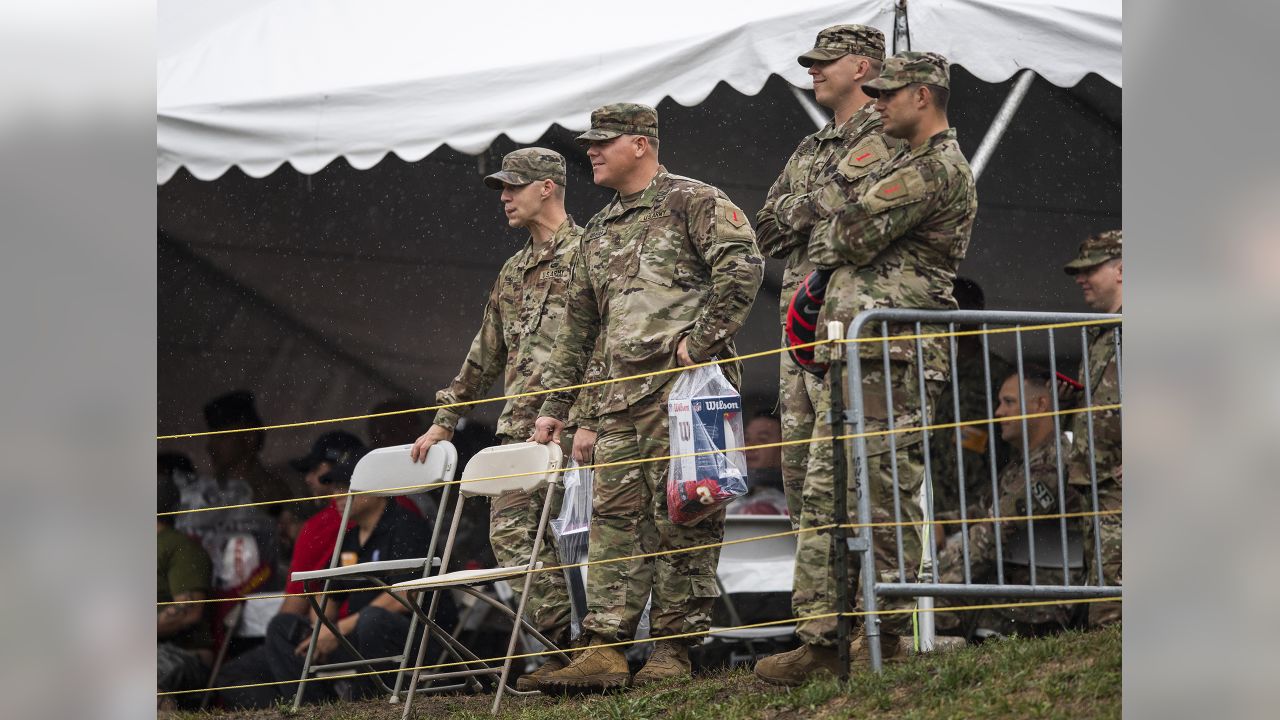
x=521 y=466
x=384 y=472
x=758 y=566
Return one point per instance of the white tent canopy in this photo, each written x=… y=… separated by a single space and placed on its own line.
x=259 y=83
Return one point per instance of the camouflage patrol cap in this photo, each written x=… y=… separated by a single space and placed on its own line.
x=610 y=121
x=523 y=166
x=1095 y=250
x=911 y=67
x=839 y=40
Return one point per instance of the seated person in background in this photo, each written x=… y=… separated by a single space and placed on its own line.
x=313 y=548
x=242 y=542
x=1042 y=461
x=235 y=456
x=970 y=376
x=372 y=621
x=764 y=470
x=183 y=571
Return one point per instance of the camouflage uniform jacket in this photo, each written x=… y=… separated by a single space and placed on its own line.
x=1104 y=381
x=525 y=311
x=1013 y=504
x=852 y=150
x=680 y=261
x=976 y=403
x=904 y=229
x=1042 y=464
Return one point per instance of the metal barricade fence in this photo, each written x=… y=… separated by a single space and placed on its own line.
x=922 y=328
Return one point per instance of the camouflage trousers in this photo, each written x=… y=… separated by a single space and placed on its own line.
x=513 y=522
x=629 y=517
x=1030 y=621
x=796 y=390
x=813 y=591
x=1110 y=532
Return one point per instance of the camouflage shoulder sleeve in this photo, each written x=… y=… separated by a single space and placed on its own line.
x=575 y=340
x=853 y=171
x=775 y=239
x=585 y=409
x=886 y=210
x=486 y=358
x=719 y=231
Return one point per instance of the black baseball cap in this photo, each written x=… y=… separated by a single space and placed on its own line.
x=333 y=448
x=342 y=470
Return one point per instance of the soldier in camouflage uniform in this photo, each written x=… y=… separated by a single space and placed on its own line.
x=670 y=272
x=970 y=376
x=893 y=240
x=1040 y=466
x=1098 y=271
x=524 y=312
x=850 y=145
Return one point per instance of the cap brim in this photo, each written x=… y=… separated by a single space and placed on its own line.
x=337 y=476
x=597 y=134
x=820 y=55
x=1079 y=265
x=873 y=88
x=505 y=177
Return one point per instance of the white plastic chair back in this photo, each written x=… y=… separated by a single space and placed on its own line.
x=532 y=464
x=759 y=565
x=390 y=470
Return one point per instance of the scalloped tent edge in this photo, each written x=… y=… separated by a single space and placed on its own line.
x=218 y=109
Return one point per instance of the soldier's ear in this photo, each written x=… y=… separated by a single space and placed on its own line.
x=923 y=96
x=864 y=69
x=1044 y=402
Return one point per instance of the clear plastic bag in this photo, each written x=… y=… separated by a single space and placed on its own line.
x=573 y=526
x=705 y=413
x=573 y=531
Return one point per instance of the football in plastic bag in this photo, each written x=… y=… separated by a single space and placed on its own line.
x=705 y=415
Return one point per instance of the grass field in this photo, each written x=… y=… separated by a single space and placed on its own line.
x=1074 y=675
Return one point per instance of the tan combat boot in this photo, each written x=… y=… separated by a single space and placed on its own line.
x=795 y=667
x=670 y=659
x=893 y=648
x=530 y=681
x=597 y=668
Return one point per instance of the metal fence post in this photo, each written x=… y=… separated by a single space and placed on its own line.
x=840 y=533
x=866 y=542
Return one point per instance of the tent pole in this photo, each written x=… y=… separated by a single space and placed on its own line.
x=1001 y=123
x=811 y=108
x=901 y=27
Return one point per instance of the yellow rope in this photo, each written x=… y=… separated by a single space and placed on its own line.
x=622 y=643
x=982 y=331
x=677 y=551
x=641 y=376
x=663 y=458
